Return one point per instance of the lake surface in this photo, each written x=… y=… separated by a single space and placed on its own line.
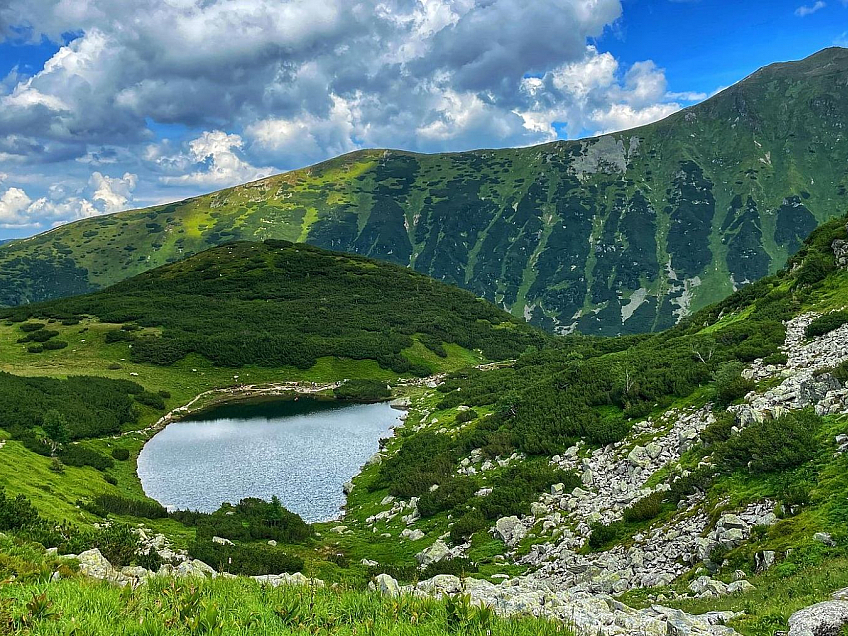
x=303 y=451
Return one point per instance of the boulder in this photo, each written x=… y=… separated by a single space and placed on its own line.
x=384 y=584
x=348 y=487
x=822 y=619
x=94 y=565
x=412 y=535
x=221 y=541
x=511 y=530
x=435 y=553
x=764 y=560
x=195 y=569
x=740 y=587
x=824 y=537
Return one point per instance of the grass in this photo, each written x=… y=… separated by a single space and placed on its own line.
x=36 y=605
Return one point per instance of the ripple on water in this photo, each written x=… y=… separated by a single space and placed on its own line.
x=301 y=451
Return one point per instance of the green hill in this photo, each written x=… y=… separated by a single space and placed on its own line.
x=622 y=233
x=279 y=304
x=635 y=465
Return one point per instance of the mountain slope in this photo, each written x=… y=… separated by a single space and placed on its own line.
x=282 y=304
x=621 y=233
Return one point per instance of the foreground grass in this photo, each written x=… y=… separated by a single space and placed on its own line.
x=30 y=603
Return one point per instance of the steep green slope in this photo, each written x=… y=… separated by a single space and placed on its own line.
x=283 y=304
x=621 y=233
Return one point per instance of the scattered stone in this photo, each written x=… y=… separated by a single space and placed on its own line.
x=822 y=619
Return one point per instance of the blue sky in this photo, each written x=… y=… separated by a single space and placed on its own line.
x=106 y=106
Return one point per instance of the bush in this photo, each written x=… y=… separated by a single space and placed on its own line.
x=78 y=455
x=250 y=520
x=153 y=400
x=109 y=479
x=466 y=416
x=29 y=327
x=363 y=391
x=453 y=492
x=826 y=323
x=247 y=560
x=776 y=359
x=35 y=348
x=16 y=512
x=646 y=508
x=467 y=525
x=603 y=535
x=55 y=345
x=699 y=480
x=124 y=506
x=114 y=366
x=42 y=335
x=719 y=430
x=730 y=385
x=771 y=445
x=117 y=542
x=121 y=454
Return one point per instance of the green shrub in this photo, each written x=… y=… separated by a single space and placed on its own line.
x=826 y=323
x=110 y=479
x=730 y=385
x=604 y=535
x=121 y=454
x=776 y=359
x=117 y=542
x=452 y=492
x=467 y=525
x=35 y=348
x=719 y=430
x=114 y=366
x=78 y=455
x=251 y=519
x=42 y=335
x=466 y=416
x=779 y=444
x=249 y=560
x=698 y=480
x=124 y=506
x=153 y=400
x=55 y=345
x=646 y=508
x=363 y=391
x=29 y=327
x=16 y=512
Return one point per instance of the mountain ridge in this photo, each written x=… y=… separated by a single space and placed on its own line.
x=620 y=233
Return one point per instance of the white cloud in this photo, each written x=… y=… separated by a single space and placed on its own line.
x=14 y=207
x=106 y=195
x=112 y=194
x=215 y=157
x=808 y=9
x=593 y=94
x=252 y=87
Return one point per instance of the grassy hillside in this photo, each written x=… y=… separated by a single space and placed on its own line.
x=484 y=446
x=282 y=304
x=623 y=233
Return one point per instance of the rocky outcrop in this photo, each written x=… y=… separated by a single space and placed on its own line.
x=277 y=580
x=598 y=615
x=822 y=619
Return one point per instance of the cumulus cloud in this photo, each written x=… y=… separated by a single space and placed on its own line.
x=808 y=9
x=216 y=162
x=252 y=87
x=61 y=204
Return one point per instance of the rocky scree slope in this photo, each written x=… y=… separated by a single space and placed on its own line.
x=719 y=519
x=623 y=233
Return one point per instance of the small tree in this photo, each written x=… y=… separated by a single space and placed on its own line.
x=56 y=429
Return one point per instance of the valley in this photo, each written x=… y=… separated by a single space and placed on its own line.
x=603 y=483
x=592 y=387
x=618 y=234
